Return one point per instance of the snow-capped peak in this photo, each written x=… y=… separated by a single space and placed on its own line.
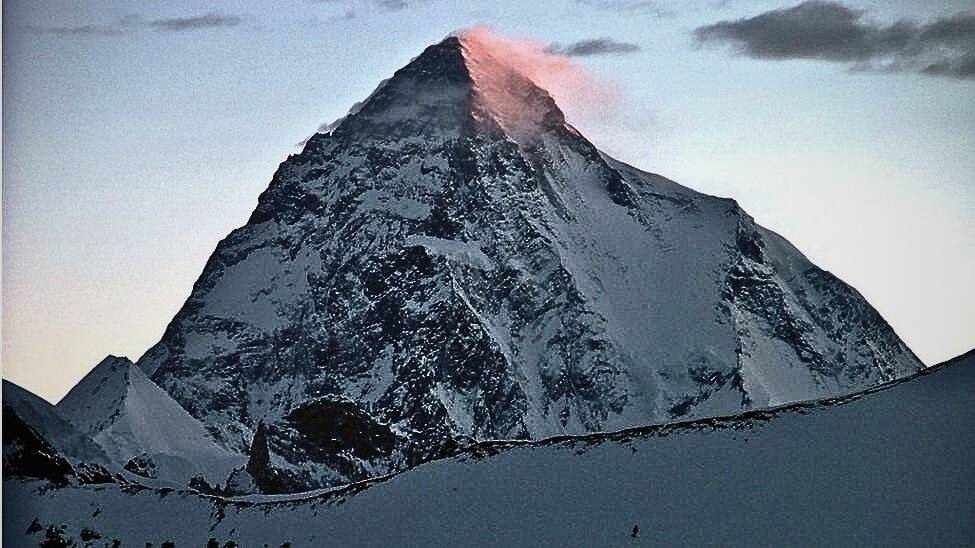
x=130 y=417
x=503 y=85
x=452 y=261
x=468 y=83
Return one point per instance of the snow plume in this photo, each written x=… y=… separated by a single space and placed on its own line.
x=500 y=65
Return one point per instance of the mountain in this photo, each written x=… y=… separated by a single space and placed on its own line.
x=890 y=466
x=142 y=428
x=43 y=418
x=452 y=262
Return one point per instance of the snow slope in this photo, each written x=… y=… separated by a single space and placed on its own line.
x=453 y=261
x=129 y=416
x=890 y=466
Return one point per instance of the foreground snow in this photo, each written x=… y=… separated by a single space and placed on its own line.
x=889 y=466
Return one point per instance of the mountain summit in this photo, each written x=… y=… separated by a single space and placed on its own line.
x=452 y=261
x=460 y=87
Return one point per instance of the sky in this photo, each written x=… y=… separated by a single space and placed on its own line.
x=136 y=137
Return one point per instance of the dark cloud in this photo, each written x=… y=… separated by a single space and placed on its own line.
x=597 y=46
x=830 y=31
x=193 y=23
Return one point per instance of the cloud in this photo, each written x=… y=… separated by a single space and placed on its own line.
x=496 y=61
x=830 y=31
x=392 y=4
x=388 y=5
x=596 y=46
x=101 y=30
x=650 y=6
x=135 y=22
x=193 y=23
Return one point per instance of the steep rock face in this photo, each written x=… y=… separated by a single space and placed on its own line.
x=141 y=427
x=48 y=422
x=27 y=454
x=430 y=268
x=39 y=443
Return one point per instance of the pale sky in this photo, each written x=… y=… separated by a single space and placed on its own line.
x=136 y=137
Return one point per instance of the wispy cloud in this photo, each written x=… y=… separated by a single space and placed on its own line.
x=596 y=46
x=831 y=31
x=392 y=4
x=133 y=23
x=389 y=5
x=102 y=30
x=209 y=20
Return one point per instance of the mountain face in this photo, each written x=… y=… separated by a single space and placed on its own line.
x=141 y=427
x=837 y=472
x=452 y=262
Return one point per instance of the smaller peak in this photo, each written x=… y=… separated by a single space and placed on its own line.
x=107 y=380
x=112 y=358
x=113 y=363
